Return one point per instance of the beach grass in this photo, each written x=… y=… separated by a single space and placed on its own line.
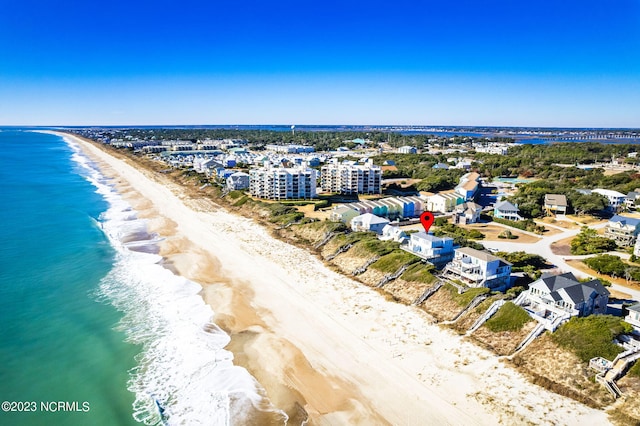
x=419 y=272
x=393 y=261
x=592 y=336
x=509 y=317
x=465 y=298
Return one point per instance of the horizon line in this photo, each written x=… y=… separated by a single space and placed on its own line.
x=465 y=126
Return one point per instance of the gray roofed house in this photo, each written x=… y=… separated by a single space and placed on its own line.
x=368 y=222
x=555 y=204
x=468 y=212
x=563 y=296
x=632 y=198
x=507 y=210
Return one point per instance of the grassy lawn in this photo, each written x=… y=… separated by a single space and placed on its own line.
x=508 y=318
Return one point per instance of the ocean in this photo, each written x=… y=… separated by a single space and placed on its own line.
x=95 y=330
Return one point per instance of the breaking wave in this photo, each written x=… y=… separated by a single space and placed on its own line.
x=183 y=376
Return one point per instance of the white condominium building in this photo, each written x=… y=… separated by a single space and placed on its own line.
x=282 y=184
x=351 y=178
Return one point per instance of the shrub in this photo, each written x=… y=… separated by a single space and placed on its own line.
x=506 y=234
x=589 y=242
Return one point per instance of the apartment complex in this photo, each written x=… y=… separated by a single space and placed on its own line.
x=351 y=178
x=276 y=183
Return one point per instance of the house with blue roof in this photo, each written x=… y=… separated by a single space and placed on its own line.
x=623 y=230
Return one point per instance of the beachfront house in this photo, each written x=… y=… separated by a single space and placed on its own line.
x=238 y=181
x=343 y=213
x=466 y=213
x=555 y=204
x=477 y=268
x=437 y=250
x=368 y=223
x=623 y=230
x=506 y=210
x=555 y=296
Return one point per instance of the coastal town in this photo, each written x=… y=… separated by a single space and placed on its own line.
x=515 y=276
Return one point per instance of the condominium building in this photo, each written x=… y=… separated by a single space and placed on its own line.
x=277 y=183
x=351 y=178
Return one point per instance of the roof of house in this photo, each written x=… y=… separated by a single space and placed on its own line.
x=447 y=195
x=480 y=255
x=370 y=218
x=563 y=286
x=470 y=205
x=634 y=307
x=441 y=166
x=623 y=220
x=608 y=192
x=555 y=199
x=429 y=237
x=505 y=206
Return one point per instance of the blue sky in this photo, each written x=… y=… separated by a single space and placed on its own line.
x=507 y=63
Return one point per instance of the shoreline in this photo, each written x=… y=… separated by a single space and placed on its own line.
x=318 y=339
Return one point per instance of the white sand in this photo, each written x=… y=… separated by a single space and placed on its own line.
x=352 y=356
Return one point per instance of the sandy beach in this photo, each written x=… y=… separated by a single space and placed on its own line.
x=322 y=342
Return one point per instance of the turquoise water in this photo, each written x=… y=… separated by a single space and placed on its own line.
x=58 y=339
x=90 y=316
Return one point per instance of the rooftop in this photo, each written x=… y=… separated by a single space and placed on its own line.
x=556 y=199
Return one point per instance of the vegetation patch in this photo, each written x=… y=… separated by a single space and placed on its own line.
x=451 y=230
x=522 y=261
x=634 y=371
x=420 y=272
x=589 y=242
x=509 y=317
x=592 y=336
x=393 y=261
x=234 y=195
x=374 y=247
x=465 y=298
x=613 y=266
x=525 y=225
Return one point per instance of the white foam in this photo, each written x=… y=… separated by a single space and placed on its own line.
x=183 y=370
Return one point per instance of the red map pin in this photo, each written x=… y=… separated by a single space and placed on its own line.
x=426 y=218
